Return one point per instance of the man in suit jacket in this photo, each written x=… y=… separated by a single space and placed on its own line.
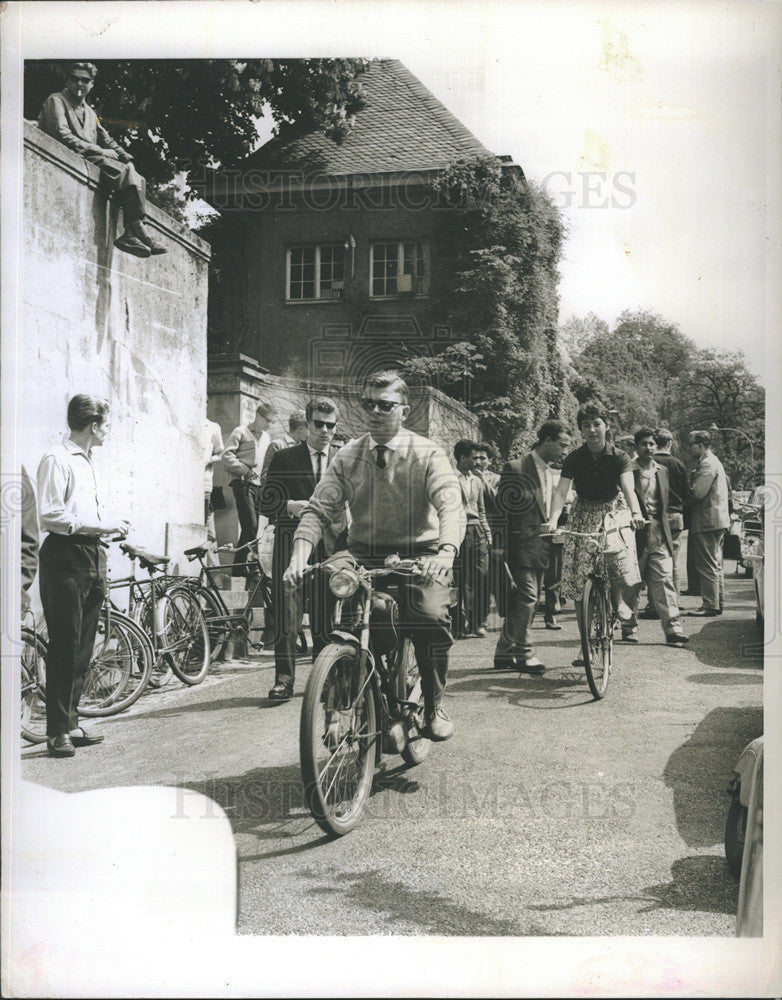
x=524 y=497
x=291 y=478
x=68 y=118
x=472 y=564
x=656 y=542
x=709 y=520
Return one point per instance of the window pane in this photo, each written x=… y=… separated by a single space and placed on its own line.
x=332 y=266
x=302 y=273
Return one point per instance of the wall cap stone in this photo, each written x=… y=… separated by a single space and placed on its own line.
x=89 y=174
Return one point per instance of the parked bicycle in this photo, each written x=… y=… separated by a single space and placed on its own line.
x=33 y=681
x=165 y=607
x=223 y=624
x=363 y=696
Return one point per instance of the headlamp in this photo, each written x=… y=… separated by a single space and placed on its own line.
x=343 y=583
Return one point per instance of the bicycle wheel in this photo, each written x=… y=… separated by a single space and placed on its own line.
x=337 y=740
x=33 y=692
x=597 y=637
x=161 y=666
x=218 y=628
x=120 y=668
x=186 y=636
x=417 y=746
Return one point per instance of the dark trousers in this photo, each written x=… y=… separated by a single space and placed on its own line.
x=129 y=185
x=472 y=571
x=424 y=616
x=516 y=637
x=247 y=497
x=552 y=580
x=72 y=586
x=289 y=605
x=693 y=576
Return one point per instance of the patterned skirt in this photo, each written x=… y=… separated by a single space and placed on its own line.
x=621 y=558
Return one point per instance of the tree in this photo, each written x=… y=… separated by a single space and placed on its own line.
x=719 y=390
x=178 y=115
x=577 y=331
x=503 y=239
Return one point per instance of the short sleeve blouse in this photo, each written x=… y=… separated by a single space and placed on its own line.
x=596 y=477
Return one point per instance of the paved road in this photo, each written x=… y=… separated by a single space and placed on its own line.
x=546 y=814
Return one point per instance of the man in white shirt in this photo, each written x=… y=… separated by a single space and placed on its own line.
x=72 y=567
x=213 y=450
x=524 y=496
x=243 y=458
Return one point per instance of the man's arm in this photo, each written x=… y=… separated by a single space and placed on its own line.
x=445 y=496
x=234 y=465
x=274 y=447
x=54 y=517
x=325 y=507
x=702 y=480
x=54 y=122
x=275 y=491
x=107 y=143
x=482 y=487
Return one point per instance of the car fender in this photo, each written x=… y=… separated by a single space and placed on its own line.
x=745 y=769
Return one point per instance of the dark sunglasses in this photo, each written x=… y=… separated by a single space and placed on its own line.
x=81 y=79
x=331 y=424
x=384 y=405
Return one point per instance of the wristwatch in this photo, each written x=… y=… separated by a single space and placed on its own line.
x=448 y=545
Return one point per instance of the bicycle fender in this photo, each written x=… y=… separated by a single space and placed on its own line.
x=348 y=637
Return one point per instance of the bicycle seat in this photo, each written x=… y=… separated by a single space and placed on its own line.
x=146 y=559
x=198 y=551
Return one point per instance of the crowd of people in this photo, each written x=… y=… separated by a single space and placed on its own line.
x=477 y=534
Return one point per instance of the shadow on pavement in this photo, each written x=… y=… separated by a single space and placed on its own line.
x=210 y=705
x=698 y=771
x=556 y=689
x=430 y=912
x=726 y=680
x=700 y=883
x=726 y=642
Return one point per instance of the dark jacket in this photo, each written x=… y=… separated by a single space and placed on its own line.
x=290 y=477
x=678 y=479
x=521 y=504
x=663 y=494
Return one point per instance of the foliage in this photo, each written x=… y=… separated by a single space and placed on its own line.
x=576 y=332
x=653 y=375
x=503 y=237
x=178 y=115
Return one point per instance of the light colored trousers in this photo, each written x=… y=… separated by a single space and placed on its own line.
x=656 y=565
x=707 y=559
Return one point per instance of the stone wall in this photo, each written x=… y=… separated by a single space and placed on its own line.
x=94 y=319
x=237 y=384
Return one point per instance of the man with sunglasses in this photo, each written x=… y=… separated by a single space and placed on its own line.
x=404 y=499
x=67 y=117
x=291 y=477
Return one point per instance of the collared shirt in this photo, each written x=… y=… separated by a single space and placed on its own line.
x=546 y=474
x=596 y=477
x=390 y=446
x=314 y=460
x=412 y=505
x=648 y=489
x=244 y=451
x=68 y=490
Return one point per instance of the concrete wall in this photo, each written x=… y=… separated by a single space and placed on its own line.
x=329 y=336
x=94 y=319
x=237 y=385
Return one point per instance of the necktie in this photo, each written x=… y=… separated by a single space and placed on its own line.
x=319 y=473
x=380 y=456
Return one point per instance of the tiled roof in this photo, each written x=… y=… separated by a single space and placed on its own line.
x=402 y=127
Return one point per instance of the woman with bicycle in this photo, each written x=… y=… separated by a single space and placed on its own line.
x=602 y=478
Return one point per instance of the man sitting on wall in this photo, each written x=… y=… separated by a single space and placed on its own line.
x=68 y=118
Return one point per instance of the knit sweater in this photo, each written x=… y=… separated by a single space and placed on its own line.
x=411 y=505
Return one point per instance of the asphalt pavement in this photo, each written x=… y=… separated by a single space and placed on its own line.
x=547 y=813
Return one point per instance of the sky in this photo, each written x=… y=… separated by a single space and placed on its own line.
x=650 y=126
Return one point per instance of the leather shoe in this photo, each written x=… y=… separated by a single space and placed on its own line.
x=630 y=635
x=281 y=692
x=504 y=661
x=552 y=625
x=82 y=737
x=60 y=746
x=704 y=613
x=532 y=665
x=481 y=632
x=649 y=614
x=129 y=244
x=677 y=639
x=439 y=724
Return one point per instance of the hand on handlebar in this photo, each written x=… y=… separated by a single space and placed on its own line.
x=294 y=574
x=638 y=521
x=436 y=567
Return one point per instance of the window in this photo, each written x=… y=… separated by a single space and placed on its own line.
x=397 y=269
x=315 y=272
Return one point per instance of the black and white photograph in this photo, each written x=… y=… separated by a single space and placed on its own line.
x=390 y=532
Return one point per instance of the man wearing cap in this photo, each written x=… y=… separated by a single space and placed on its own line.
x=68 y=118
x=243 y=458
